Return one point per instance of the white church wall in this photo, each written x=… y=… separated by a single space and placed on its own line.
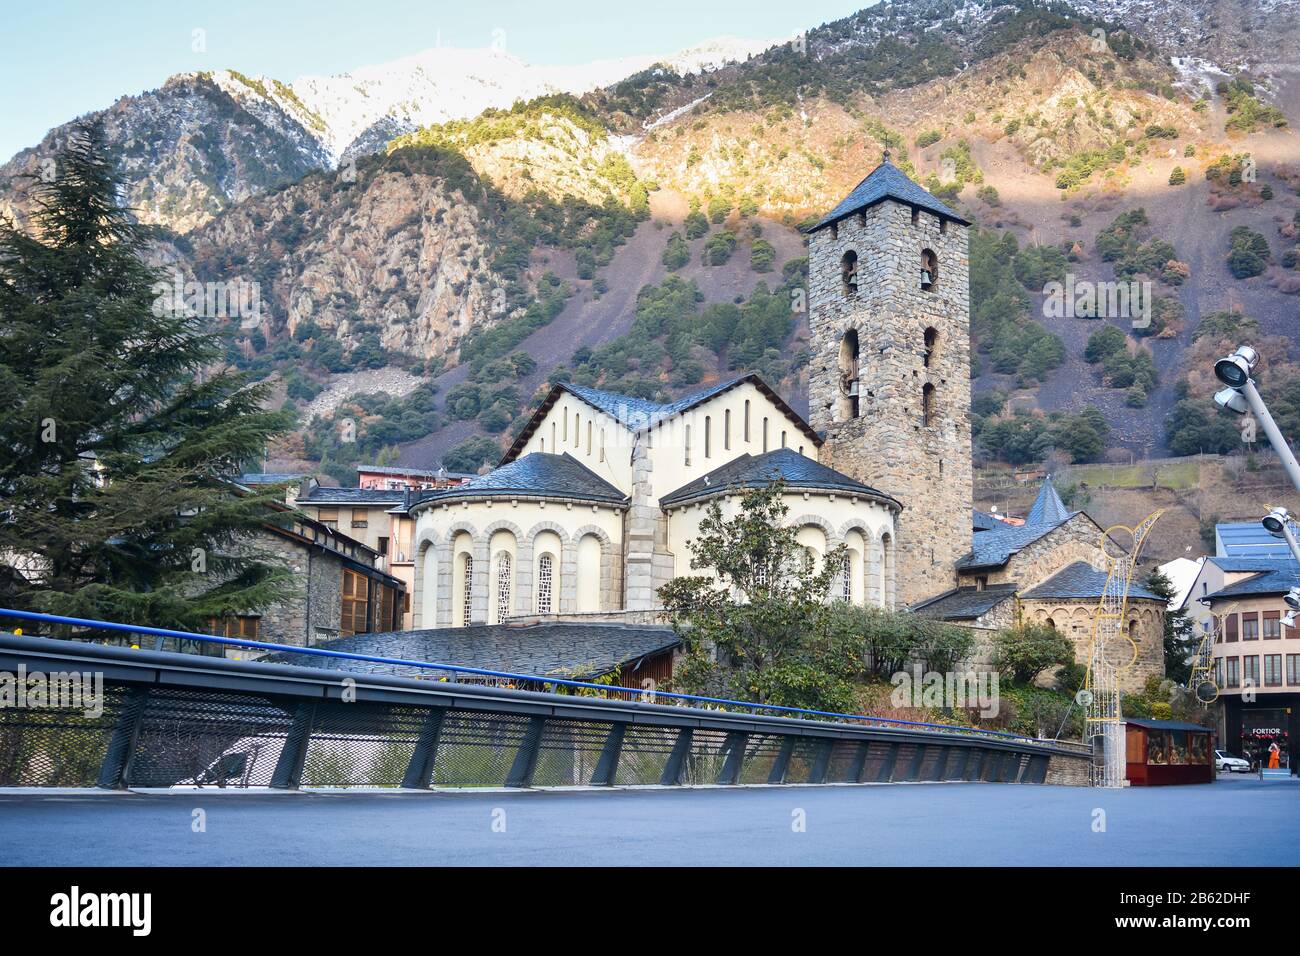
x=597 y=440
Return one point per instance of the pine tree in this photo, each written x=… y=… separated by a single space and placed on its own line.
x=119 y=432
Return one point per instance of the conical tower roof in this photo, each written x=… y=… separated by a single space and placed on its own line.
x=887 y=181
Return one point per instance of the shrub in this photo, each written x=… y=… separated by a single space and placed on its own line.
x=1022 y=653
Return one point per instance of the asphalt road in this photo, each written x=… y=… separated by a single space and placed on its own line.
x=1236 y=822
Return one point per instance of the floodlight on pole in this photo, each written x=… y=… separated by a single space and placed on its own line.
x=1231 y=400
x=1234 y=371
x=1288 y=619
x=1292 y=598
x=1278 y=523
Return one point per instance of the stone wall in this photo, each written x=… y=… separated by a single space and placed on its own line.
x=1145 y=621
x=1066 y=770
x=889 y=444
x=1078 y=539
x=312 y=613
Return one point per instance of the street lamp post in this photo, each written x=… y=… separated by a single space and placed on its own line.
x=1234 y=371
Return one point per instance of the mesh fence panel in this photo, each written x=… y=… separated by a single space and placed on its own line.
x=645 y=754
x=705 y=761
x=843 y=764
x=56 y=748
x=569 y=752
x=477 y=750
x=802 y=759
x=361 y=745
x=760 y=753
x=196 y=737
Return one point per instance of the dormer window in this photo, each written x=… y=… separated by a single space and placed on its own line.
x=849 y=272
x=929 y=270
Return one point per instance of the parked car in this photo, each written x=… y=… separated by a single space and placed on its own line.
x=1227 y=763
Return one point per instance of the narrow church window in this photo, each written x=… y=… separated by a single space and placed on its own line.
x=846 y=578
x=927 y=405
x=943 y=226
x=543 y=444
x=553 y=445
x=726 y=430
x=746 y=419
x=849 y=270
x=765 y=433
x=566 y=429
x=849 y=376
x=588 y=438
x=916 y=215
x=602 y=444
x=467 y=598
x=708 y=436
x=504 y=577
x=545 y=575
x=929 y=270
x=688 y=445
x=782 y=437
x=577 y=429
x=931 y=343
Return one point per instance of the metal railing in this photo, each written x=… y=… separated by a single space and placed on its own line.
x=186 y=720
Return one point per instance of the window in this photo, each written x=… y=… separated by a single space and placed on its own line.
x=566 y=427
x=1272 y=670
x=765 y=433
x=1230 y=628
x=846 y=578
x=849 y=272
x=243 y=626
x=577 y=428
x=467 y=595
x=1250 y=670
x=850 y=376
x=931 y=344
x=929 y=270
x=1293 y=669
x=708 y=437
x=588 y=438
x=356 y=603
x=329 y=516
x=1234 y=679
x=726 y=430
x=1272 y=625
x=359 y=516
x=927 y=405
x=746 y=419
x=1250 y=626
x=553 y=445
x=383 y=546
x=505 y=565
x=1218 y=671
x=782 y=437
x=545 y=583
x=688 y=445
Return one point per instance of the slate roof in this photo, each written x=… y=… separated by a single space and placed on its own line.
x=983 y=521
x=1082 y=580
x=638 y=413
x=1166 y=724
x=1236 y=565
x=539 y=475
x=1048 y=507
x=886 y=181
x=992 y=549
x=268 y=478
x=1277 y=581
x=353 y=496
x=754 y=471
x=549 y=649
x=965 y=603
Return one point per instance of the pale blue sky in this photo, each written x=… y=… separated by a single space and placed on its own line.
x=60 y=60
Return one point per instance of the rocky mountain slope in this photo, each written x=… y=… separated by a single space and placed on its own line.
x=568 y=231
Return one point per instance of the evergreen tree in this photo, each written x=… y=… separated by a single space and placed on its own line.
x=119 y=434
x=1179 y=640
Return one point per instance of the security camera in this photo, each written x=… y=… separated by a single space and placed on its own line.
x=1232 y=400
x=1234 y=371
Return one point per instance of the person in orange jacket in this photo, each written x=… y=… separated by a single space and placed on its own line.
x=1274 y=755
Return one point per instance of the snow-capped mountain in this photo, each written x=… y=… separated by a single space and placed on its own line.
x=447 y=83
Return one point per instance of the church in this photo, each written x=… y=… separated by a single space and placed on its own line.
x=592 y=508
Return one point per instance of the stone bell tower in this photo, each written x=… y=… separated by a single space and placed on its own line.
x=889 y=386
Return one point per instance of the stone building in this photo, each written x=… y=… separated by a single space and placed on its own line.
x=593 y=507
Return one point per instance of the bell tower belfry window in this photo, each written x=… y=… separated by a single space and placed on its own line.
x=850 y=381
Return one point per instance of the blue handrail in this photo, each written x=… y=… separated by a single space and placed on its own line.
x=482 y=672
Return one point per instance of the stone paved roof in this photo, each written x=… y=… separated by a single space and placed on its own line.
x=993 y=548
x=551 y=649
x=753 y=471
x=1048 y=507
x=965 y=603
x=1082 y=580
x=539 y=474
x=1279 y=580
x=886 y=181
x=983 y=521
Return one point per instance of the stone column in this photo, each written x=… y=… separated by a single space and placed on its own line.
x=641 y=527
